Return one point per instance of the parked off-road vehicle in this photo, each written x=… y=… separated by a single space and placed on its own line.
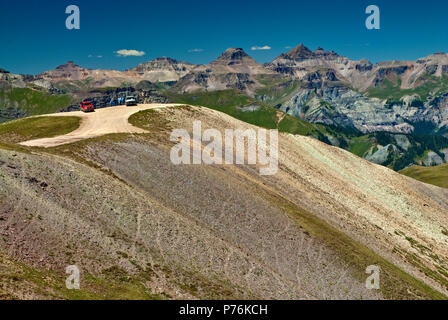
x=131 y=101
x=87 y=106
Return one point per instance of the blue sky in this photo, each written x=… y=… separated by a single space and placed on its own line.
x=34 y=38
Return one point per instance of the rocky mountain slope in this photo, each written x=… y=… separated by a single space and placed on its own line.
x=300 y=61
x=140 y=227
x=158 y=70
x=360 y=74
x=394 y=150
x=71 y=74
x=389 y=96
x=234 y=69
x=24 y=95
x=320 y=100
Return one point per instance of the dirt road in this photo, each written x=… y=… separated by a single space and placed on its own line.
x=94 y=124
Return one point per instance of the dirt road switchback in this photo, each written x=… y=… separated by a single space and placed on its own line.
x=95 y=124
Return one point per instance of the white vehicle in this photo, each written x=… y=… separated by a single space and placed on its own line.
x=130 y=101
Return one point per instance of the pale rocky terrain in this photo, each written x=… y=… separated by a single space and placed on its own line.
x=218 y=231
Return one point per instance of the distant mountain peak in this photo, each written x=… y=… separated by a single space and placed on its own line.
x=168 y=59
x=68 y=65
x=299 y=53
x=320 y=52
x=162 y=69
x=162 y=63
x=233 y=54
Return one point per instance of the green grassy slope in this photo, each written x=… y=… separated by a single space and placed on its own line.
x=360 y=145
x=392 y=91
x=235 y=104
x=36 y=128
x=32 y=102
x=276 y=90
x=437 y=176
x=232 y=103
x=19 y=279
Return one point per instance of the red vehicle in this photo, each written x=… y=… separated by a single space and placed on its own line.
x=87 y=106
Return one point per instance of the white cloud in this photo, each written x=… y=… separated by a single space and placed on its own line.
x=288 y=47
x=196 y=50
x=254 y=48
x=92 y=56
x=129 y=53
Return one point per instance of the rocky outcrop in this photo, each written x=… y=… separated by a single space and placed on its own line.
x=402 y=141
x=10 y=80
x=445 y=153
x=234 y=60
x=364 y=66
x=300 y=61
x=8 y=113
x=232 y=56
x=338 y=106
x=299 y=53
x=319 y=80
x=382 y=154
x=66 y=72
x=432 y=159
x=161 y=70
x=321 y=99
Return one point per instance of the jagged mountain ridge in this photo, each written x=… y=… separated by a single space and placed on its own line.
x=158 y=70
x=360 y=74
x=234 y=69
x=393 y=96
x=296 y=63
